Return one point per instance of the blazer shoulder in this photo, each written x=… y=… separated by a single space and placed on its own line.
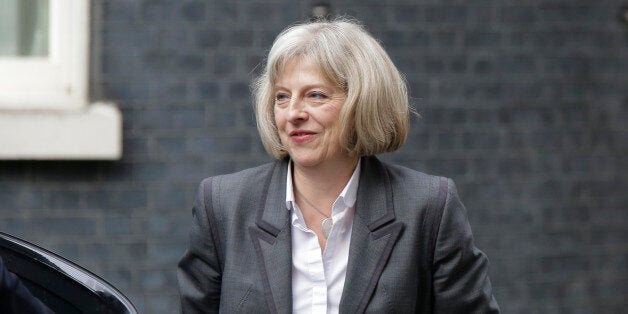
x=241 y=179
x=419 y=190
x=412 y=179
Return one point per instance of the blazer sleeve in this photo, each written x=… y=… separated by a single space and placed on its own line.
x=199 y=272
x=460 y=270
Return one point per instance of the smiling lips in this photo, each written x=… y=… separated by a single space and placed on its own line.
x=301 y=136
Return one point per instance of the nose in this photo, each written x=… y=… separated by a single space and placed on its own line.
x=296 y=111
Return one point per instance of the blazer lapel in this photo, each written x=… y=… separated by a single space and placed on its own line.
x=271 y=237
x=373 y=237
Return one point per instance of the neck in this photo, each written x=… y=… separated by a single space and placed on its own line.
x=324 y=182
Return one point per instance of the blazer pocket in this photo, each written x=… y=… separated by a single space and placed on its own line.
x=244 y=298
x=252 y=301
x=380 y=301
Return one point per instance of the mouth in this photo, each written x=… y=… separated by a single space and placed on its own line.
x=301 y=133
x=301 y=136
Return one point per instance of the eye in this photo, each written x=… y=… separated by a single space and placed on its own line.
x=279 y=97
x=318 y=95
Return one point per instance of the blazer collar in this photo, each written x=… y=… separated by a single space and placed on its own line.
x=373 y=237
x=272 y=241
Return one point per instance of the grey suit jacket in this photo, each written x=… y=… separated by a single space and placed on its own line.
x=411 y=246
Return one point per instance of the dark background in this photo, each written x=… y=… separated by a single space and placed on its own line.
x=523 y=104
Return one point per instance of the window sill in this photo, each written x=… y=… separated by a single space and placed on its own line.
x=94 y=133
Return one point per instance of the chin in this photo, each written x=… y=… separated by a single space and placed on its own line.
x=304 y=162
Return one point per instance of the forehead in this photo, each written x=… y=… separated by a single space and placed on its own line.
x=300 y=69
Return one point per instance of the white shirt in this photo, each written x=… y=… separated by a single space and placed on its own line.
x=318 y=279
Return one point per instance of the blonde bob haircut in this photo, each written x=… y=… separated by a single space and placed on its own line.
x=375 y=116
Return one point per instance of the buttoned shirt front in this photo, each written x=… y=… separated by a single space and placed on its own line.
x=318 y=277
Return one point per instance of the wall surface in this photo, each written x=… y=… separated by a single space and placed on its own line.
x=523 y=103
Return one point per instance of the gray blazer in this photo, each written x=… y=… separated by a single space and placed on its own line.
x=411 y=247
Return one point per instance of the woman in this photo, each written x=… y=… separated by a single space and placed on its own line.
x=328 y=227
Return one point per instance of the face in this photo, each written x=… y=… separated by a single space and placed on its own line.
x=307 y=110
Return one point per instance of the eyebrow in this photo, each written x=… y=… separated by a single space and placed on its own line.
x=311 y=86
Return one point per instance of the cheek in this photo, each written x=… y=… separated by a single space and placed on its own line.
x=278 y=118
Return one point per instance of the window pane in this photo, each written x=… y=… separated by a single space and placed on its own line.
x=24 y=28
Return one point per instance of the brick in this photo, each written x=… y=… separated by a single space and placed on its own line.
x=434 y=65
x=176 y=36
x=183 y=172
x=573 y=13
x=481 y=39
x=239 y=91
x=224 y=13
x=193 y=11
x=208 y=38
x=483 y=66
x=253 y=12
x=481 y=15
x=66 y=226
x=125 y=90
x=168 y=227
x=171 y=198
x=517 y=64
x=524 y=15
x=189 y=118
x=20 y=199
x=104 y=199
x=458 y=65
x=17 y=227
x=166 y=303
x=120 y=10
x=394 y=38
x=446 y=141
x=446 y=14
x=513 y=166
x=480 y=141
x=152 y=118
x=209 y=90
x=448 y=167
x=440 y=38
x=157 y=10
x=157 y=280
x=167 y=91
x=148 y=171
x=62 y=199
x=191 y=64
x=407 y=14
x=240 y=38
x=483 y=90
x=221 y=115
x=117 y=63
x=224 y=65
x=216 y=145
x=568 y=65
x=129 y=251
x=117 y=226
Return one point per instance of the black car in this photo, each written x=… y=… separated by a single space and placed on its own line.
x=60 y=284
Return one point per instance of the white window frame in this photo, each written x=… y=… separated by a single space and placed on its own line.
x=44 y=105
x=56 y=81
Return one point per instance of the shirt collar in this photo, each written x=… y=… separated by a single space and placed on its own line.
x=348 y=194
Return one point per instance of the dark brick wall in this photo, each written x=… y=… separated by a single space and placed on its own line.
x=523 y=104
